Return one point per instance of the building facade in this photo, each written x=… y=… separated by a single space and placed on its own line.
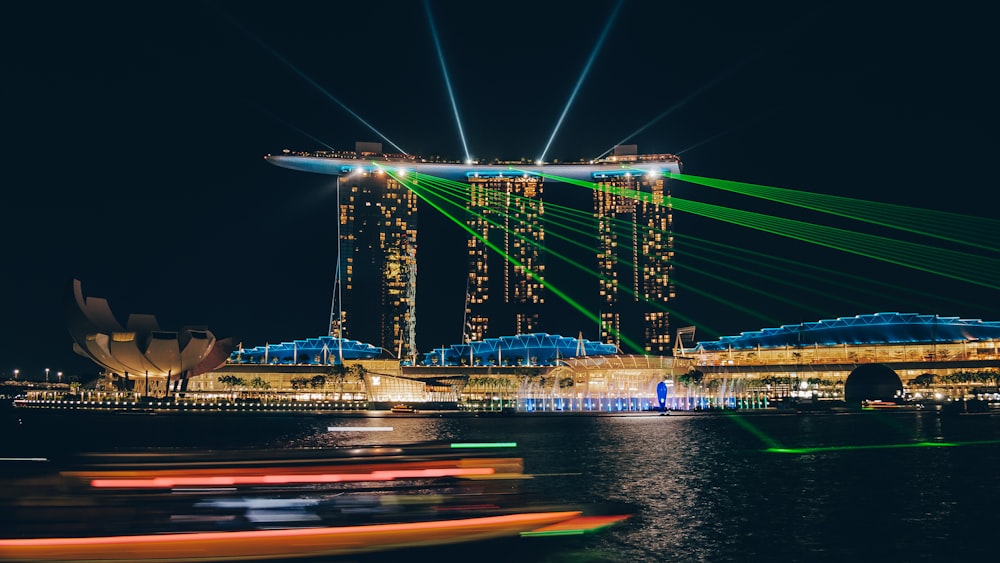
x=377 y=228
x=505 y=296
x=635 y=250
x=933 y=356
x=507 y=254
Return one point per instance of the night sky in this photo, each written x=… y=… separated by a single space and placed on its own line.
x=135 y=133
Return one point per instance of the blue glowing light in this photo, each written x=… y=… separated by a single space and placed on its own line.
x=579 y=82
x=447 y=81
x=880 y=328
x=309 y=80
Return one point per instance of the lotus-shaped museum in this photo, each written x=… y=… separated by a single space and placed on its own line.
x=140 y=353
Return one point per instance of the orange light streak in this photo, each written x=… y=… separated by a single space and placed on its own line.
x=262 y=544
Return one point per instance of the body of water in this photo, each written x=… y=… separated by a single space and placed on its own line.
x=864 y=486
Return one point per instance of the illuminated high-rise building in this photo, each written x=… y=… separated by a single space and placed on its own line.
x=378 y=267
x=634 y=256
x=505 y=296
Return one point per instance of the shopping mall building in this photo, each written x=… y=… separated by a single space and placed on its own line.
x=930 y=355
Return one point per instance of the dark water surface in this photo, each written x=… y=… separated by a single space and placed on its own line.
x=704 y=487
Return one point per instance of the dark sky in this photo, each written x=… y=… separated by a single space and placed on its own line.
x=134 y=135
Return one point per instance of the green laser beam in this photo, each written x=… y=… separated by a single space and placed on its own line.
x=745 y=424
x=823 y=275
x=951 y=264
x=419 y=191
x=752 y=289
x=822 y=449
x=947 y=263
x=462 y=190
x=731 y=304
x=951 y=227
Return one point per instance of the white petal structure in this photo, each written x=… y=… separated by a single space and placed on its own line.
x=141 y=348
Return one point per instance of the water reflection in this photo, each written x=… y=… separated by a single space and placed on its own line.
x=215 y=505
x=703 y=487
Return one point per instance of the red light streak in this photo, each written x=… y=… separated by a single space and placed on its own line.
x=231 y=480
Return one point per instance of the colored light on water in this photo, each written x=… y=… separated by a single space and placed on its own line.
x=577 y=526
x=281 y=479
x=821 y=449
x=485 y=445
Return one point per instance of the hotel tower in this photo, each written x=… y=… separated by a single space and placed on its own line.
x=505 y=297
x=378 y=262
x=634 y=257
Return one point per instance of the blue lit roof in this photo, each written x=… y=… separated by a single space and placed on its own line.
x=523 y=349
x=322 y=350
x=878 y=328
x=624 y=172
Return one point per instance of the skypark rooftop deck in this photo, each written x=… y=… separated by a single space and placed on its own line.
x=346 y=162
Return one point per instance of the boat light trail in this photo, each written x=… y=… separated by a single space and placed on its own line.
x=466 y=445
x=301 y=74
x=447 y=80
x=577 y=526
x=242 y=545
x=579 y=82
x=287 y=478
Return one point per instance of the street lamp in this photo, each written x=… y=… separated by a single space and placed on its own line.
x=59 y=375
x=46 y=375
x=17 y=371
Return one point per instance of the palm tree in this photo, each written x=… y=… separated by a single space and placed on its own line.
x=231 y=382
x=259 y=383
x=317 y=381
x=357 y=373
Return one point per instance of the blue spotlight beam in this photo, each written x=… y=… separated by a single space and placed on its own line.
x=672 y=108
x=294 y=128
x=797 y=28
x=307 y=78
x=447 y=80
x=579 y=82
x=737 y=127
